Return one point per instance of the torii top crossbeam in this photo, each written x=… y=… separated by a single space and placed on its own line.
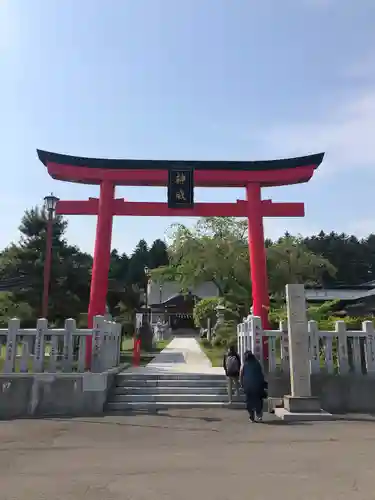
x=155 y=172
x=253 y=175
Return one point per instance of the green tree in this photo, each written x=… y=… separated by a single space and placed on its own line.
x=214 y=250
x=138 y=261
x=290 y=261
x=354 y=259
x=70 y=272
x=118 y=289
x=204 y=310
x=319 y=313
x=158 y=254
x=119 y=267
x=11 y=308
x=207 y=309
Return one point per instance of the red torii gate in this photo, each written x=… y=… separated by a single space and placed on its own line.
x=110 y=172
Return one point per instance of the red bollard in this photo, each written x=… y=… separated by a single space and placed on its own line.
x=137 y=352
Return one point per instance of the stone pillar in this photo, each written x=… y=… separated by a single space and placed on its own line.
x=209 y=329
x=298 y=341
x=300 y=405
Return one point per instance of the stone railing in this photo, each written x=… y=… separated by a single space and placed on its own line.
x=59 y=350
x=340 y=351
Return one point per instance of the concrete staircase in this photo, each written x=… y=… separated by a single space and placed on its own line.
x=149 y=391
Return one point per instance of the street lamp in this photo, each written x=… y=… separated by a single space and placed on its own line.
x=50 y=203
x=147 y=274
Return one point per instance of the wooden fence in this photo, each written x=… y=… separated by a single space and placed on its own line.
x=59 y=350
x=340 y=351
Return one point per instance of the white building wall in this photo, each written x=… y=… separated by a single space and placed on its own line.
x=159 y=293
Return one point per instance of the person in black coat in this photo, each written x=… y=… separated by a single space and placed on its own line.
x=232 y=365
x=254 y=385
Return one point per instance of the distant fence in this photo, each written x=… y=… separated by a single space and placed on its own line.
x=59 y=350
x=340 y=351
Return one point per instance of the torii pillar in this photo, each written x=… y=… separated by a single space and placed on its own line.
x=102 y=258
x=257 y=252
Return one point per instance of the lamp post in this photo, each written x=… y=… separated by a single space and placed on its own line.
x=50 y=203
x=147 y=274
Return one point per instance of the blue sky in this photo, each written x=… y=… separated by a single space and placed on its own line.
x=189 y=79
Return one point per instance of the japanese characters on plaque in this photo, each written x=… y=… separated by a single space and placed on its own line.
x=181 y=188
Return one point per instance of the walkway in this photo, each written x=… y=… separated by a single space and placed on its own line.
x=183 y=355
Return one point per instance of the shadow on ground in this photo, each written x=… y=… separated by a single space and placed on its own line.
x=170 y=357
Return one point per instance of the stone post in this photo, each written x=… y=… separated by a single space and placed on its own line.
x=11 y=345
x=209 y=329
x=220 y=310
x=41 y=332
x=300 y=404
x=298 y=341
x=98 y=341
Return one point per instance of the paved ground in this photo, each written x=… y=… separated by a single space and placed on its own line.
x=182 y=354
x=191 y=454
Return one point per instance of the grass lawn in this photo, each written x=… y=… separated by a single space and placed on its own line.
x=18 y=358
x=214 y=354
x=17 y=364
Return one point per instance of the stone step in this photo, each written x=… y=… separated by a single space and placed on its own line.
x=171 y=376
x=187 y=389
x=123 y=406
x=175 y=398
x=126 y=382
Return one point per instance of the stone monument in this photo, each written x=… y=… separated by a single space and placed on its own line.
x=300 y=404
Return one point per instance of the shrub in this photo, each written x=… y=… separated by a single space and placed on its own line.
x=276 y=315
x=226 y=334
x=206 y=309
x=205 y=343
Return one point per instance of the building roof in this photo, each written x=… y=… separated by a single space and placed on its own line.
x=347 y=294
x=161 y=293
x=368 y=285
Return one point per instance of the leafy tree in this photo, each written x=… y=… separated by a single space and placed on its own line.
x=207 y=309
x=204 y=310
x=214 y=250
x=10 y=308
x=290 y=261
x=70 y=271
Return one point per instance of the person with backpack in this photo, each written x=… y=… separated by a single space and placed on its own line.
x=254 y=385
x=232 y=365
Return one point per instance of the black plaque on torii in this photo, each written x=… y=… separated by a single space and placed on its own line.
x=181 y=187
